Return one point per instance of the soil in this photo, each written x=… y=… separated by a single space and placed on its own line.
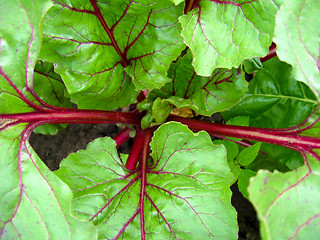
x=53 y=149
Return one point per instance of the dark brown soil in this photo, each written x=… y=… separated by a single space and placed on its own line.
x=53 y=149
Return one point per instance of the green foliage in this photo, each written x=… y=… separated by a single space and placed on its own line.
x=222 y=35
x=177 y=185
x=297 y=192
x=275 y=99
x=34 y=203
x=60 y=57
x=297 y=37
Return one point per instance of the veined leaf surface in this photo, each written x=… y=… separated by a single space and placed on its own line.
x=297 y=36
x=97 y=48
x=187 y=191
x=288 y=203
x=221 y=34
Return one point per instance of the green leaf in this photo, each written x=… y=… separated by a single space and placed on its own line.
x=188 y=171
x=50 y=88
x=20 y=39
x=290 y=200
x=243 y=181
x=297 y=36
x=239 y=121
x=275 y=99
x=251 y=65
x=221 y=34
x=205 y=95
x=34 y=203
x=146 y=34
x=232 y=148
x=247 y=155
x=277 y=157
x=176 y=2
x=232 y=152
x=311 y=126
x=160 y=111
x=157 y=111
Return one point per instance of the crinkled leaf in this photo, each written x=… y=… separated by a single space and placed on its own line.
x=275 y=99
x=221 y=34
x=290 y=200
x=251 y=65
x=145 y=33
x=34 y=203
x=188 y=171
x=160 y=111
x=297 y=36
x=157 y=111
x=205 y=95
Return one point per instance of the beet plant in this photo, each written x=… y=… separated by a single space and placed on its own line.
x=176 y=63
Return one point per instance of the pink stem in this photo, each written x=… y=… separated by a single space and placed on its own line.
x=136 y=149
x=108 y=31
x=143 y=174
x=272 y=53
x=290 y=140
x=71 y=116
x=189 y=5
x=122 y=136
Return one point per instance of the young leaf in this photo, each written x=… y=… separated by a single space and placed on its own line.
x=221 y=34
x=34 y=203
x=297 y=37
x=243 y=181
x=277 y=157
x=251 y=65
x=186 y=190
x=160 y=111
x=247 y=155
x=237 y=160
x=290 y=200
x=205 y=95
x=94 y=44
x=275 y=99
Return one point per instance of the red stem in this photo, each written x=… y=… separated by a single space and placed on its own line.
x=143 y=174
x=109 y=32
x=272 y=53
x=71 y=116
x=189 y=5
x=136 y=149
x=142 y=95
x=122 y=136
x=273 y=136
